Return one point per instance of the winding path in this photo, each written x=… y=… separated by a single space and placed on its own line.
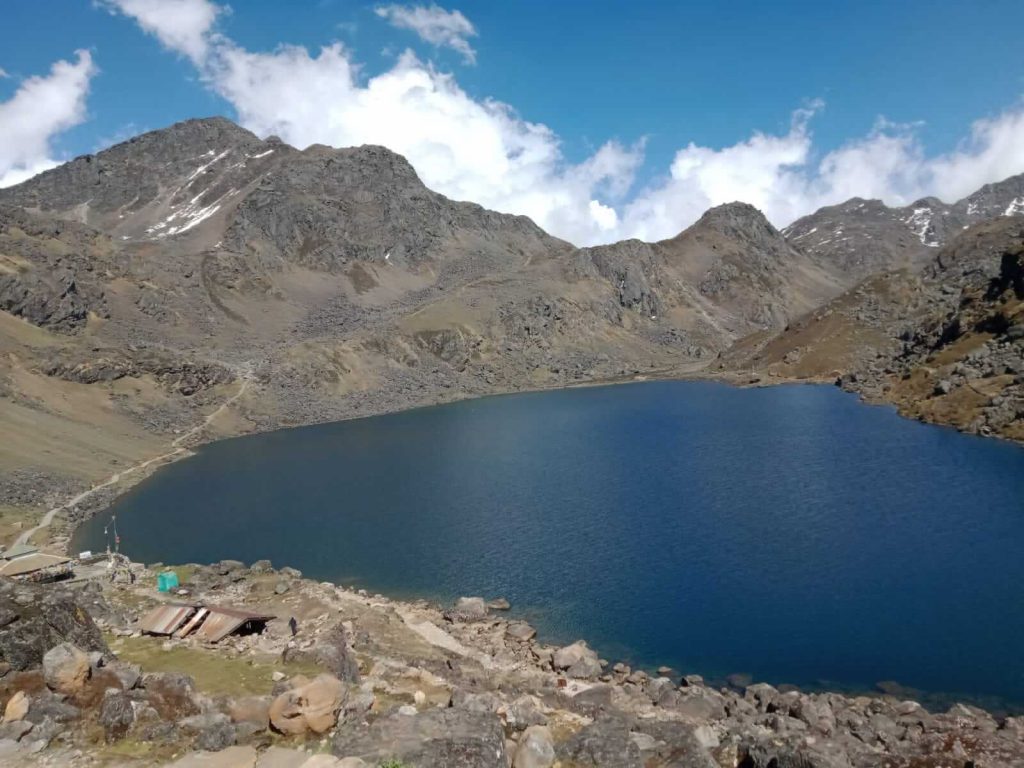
x=246 y=377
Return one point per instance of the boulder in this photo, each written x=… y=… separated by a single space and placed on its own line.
x=476 y=702
x=436 y=738
x=312 y=707
x=535 y=749
x=66 y=668
x=262 y=566
x=701 y=704
x=33 y=620
x=571 y=654
x=17 y=707
x=524 y=712
x=116 y=714
x=520 y=631
x=668 y=742
x=14 y=730
x=171 y=694
x=467 y=609
x=331 y=651
x=211 y=732
x=587 y=668
x=224 y=567
x=251 y=709
x=48 y=707
x=127 y=674
x=499 y=604
x=605 y=742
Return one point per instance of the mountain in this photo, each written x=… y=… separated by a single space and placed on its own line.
x=945 y=343
x=199 y=281
x=862 y=237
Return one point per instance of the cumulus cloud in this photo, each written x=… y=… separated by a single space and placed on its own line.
x=180 y=25
x=781 y=175
x=41 y=108
x=482 y=150
x=434 y=25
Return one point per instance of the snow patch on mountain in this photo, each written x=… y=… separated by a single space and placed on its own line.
x=920 y=223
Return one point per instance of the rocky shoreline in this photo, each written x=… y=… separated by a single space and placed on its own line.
x=367 y=679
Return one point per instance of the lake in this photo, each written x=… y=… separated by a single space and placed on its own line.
x=790 y=533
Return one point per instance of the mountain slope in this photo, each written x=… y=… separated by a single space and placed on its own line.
x=945 y=344
x=862 y=237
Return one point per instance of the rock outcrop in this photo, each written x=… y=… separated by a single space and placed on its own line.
x=34 y=620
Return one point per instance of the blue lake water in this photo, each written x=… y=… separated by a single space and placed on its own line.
x=789 y=533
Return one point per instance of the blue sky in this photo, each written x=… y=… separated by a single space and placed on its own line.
x=650 y=78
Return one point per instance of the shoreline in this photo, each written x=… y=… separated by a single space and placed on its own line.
x=472 y=671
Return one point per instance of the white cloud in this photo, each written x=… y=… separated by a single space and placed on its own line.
x=779 y=174
x=181 y=25
x=482 y=150
x=434 y=25
x=41 y=108
x=3 y=74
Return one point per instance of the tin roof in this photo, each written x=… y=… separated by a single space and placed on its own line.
x=29 y=563
x=18 y=550
x=165 y=619
x=192 y=623
x=222 y=621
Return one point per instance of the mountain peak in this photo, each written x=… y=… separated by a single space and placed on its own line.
x=736 y=220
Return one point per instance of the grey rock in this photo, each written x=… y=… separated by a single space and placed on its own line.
x=437 y=738
x=586 y=668
x=535 y=749
x=332 y=651
x=14 y=730
x=37 y=619
x=467 y=609
x=571 y=654
x=46 y=707
x=116 y=714
x=606 y=743
x=129 y=675
x=520 y=631
x=66 y=668
x=211 y=732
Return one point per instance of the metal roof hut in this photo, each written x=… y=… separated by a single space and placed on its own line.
x=27 y=563
x=223 y=621
x=166 y=619
x=207 y=623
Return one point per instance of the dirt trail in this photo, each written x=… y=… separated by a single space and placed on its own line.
x=177 y=450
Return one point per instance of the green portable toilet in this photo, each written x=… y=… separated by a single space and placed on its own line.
x=166 y=581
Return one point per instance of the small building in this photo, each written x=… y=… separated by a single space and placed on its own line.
x=27 y=563
x=208 y=623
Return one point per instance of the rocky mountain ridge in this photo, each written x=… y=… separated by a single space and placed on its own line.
x=867 y=236
x=143 y=287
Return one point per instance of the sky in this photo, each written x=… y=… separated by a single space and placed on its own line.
x=600 y=120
